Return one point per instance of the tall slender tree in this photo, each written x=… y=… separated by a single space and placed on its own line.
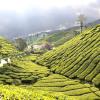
x=81 y=20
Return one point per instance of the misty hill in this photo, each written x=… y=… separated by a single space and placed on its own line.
x=77 y=58
x=94 y=23
x=59 y=37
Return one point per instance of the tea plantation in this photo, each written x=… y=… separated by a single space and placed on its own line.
x=19 y=93
x=6 y=48
x=59 y=83
x=77 y=58
x=69 y=72
x=22 y=70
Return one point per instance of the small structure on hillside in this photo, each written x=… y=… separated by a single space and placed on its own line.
x=38 y=47
x=9 y=61
x=5 y=61
x=46 y=46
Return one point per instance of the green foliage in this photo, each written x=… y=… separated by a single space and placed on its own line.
x=20 y=44
x=96 y=80
x=59 y=83
x=22 y=71
x=9 y=81
x=20 y=93
x=77 y=58
x=6 y=48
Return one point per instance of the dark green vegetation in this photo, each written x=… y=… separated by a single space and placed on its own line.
x=59 y=83
x=77 y=58
x=60 y=38
x=20 y=44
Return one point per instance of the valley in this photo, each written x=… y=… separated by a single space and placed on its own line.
x=69 y=72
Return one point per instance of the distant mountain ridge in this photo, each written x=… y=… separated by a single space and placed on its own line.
x=59 y=37
x=11 y=36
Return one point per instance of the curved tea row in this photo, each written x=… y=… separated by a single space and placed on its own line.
x=77 y=58
x=59 y=83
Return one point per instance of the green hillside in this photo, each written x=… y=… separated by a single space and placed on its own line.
x=21 y=70
x=59 y=38
x=20 y=93
x=6 y=48
x=59 y=83
x=77 y=58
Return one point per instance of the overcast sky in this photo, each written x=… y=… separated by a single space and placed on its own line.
x=18 y=17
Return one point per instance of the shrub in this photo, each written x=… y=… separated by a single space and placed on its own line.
x=76 y=58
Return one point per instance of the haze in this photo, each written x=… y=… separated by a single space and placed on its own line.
x=21 y=17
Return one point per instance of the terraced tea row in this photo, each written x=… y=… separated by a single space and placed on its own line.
x=22 y=70
x=77 y=58
x=20 y=93
x=59 y=83
x=6 y=48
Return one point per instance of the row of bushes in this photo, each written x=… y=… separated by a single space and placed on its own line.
x=67 y=86
x=22 y=71
x=77 y=58
x=20 y=93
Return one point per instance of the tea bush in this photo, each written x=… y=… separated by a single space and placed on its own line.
x=77 y=58
x=59 y=83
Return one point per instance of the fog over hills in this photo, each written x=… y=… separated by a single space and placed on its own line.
x=32 y=16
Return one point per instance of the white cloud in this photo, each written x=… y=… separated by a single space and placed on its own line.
x=26 y=16
x=23 y=5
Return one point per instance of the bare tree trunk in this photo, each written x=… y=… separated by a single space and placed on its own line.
x=81 y=26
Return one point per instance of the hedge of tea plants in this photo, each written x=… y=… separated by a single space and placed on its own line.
x=22 y=71
x=6 y=48
x=19 y=93
x=59 y=83
x=77 y=58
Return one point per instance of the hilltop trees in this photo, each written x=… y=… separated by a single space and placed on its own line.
x=20 y=43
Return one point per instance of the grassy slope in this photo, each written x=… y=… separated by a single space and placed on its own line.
x=20 y=93
x=21 y=70
x=77 y=58
x=6 y=48
x=58 y=38
x=59 y=83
